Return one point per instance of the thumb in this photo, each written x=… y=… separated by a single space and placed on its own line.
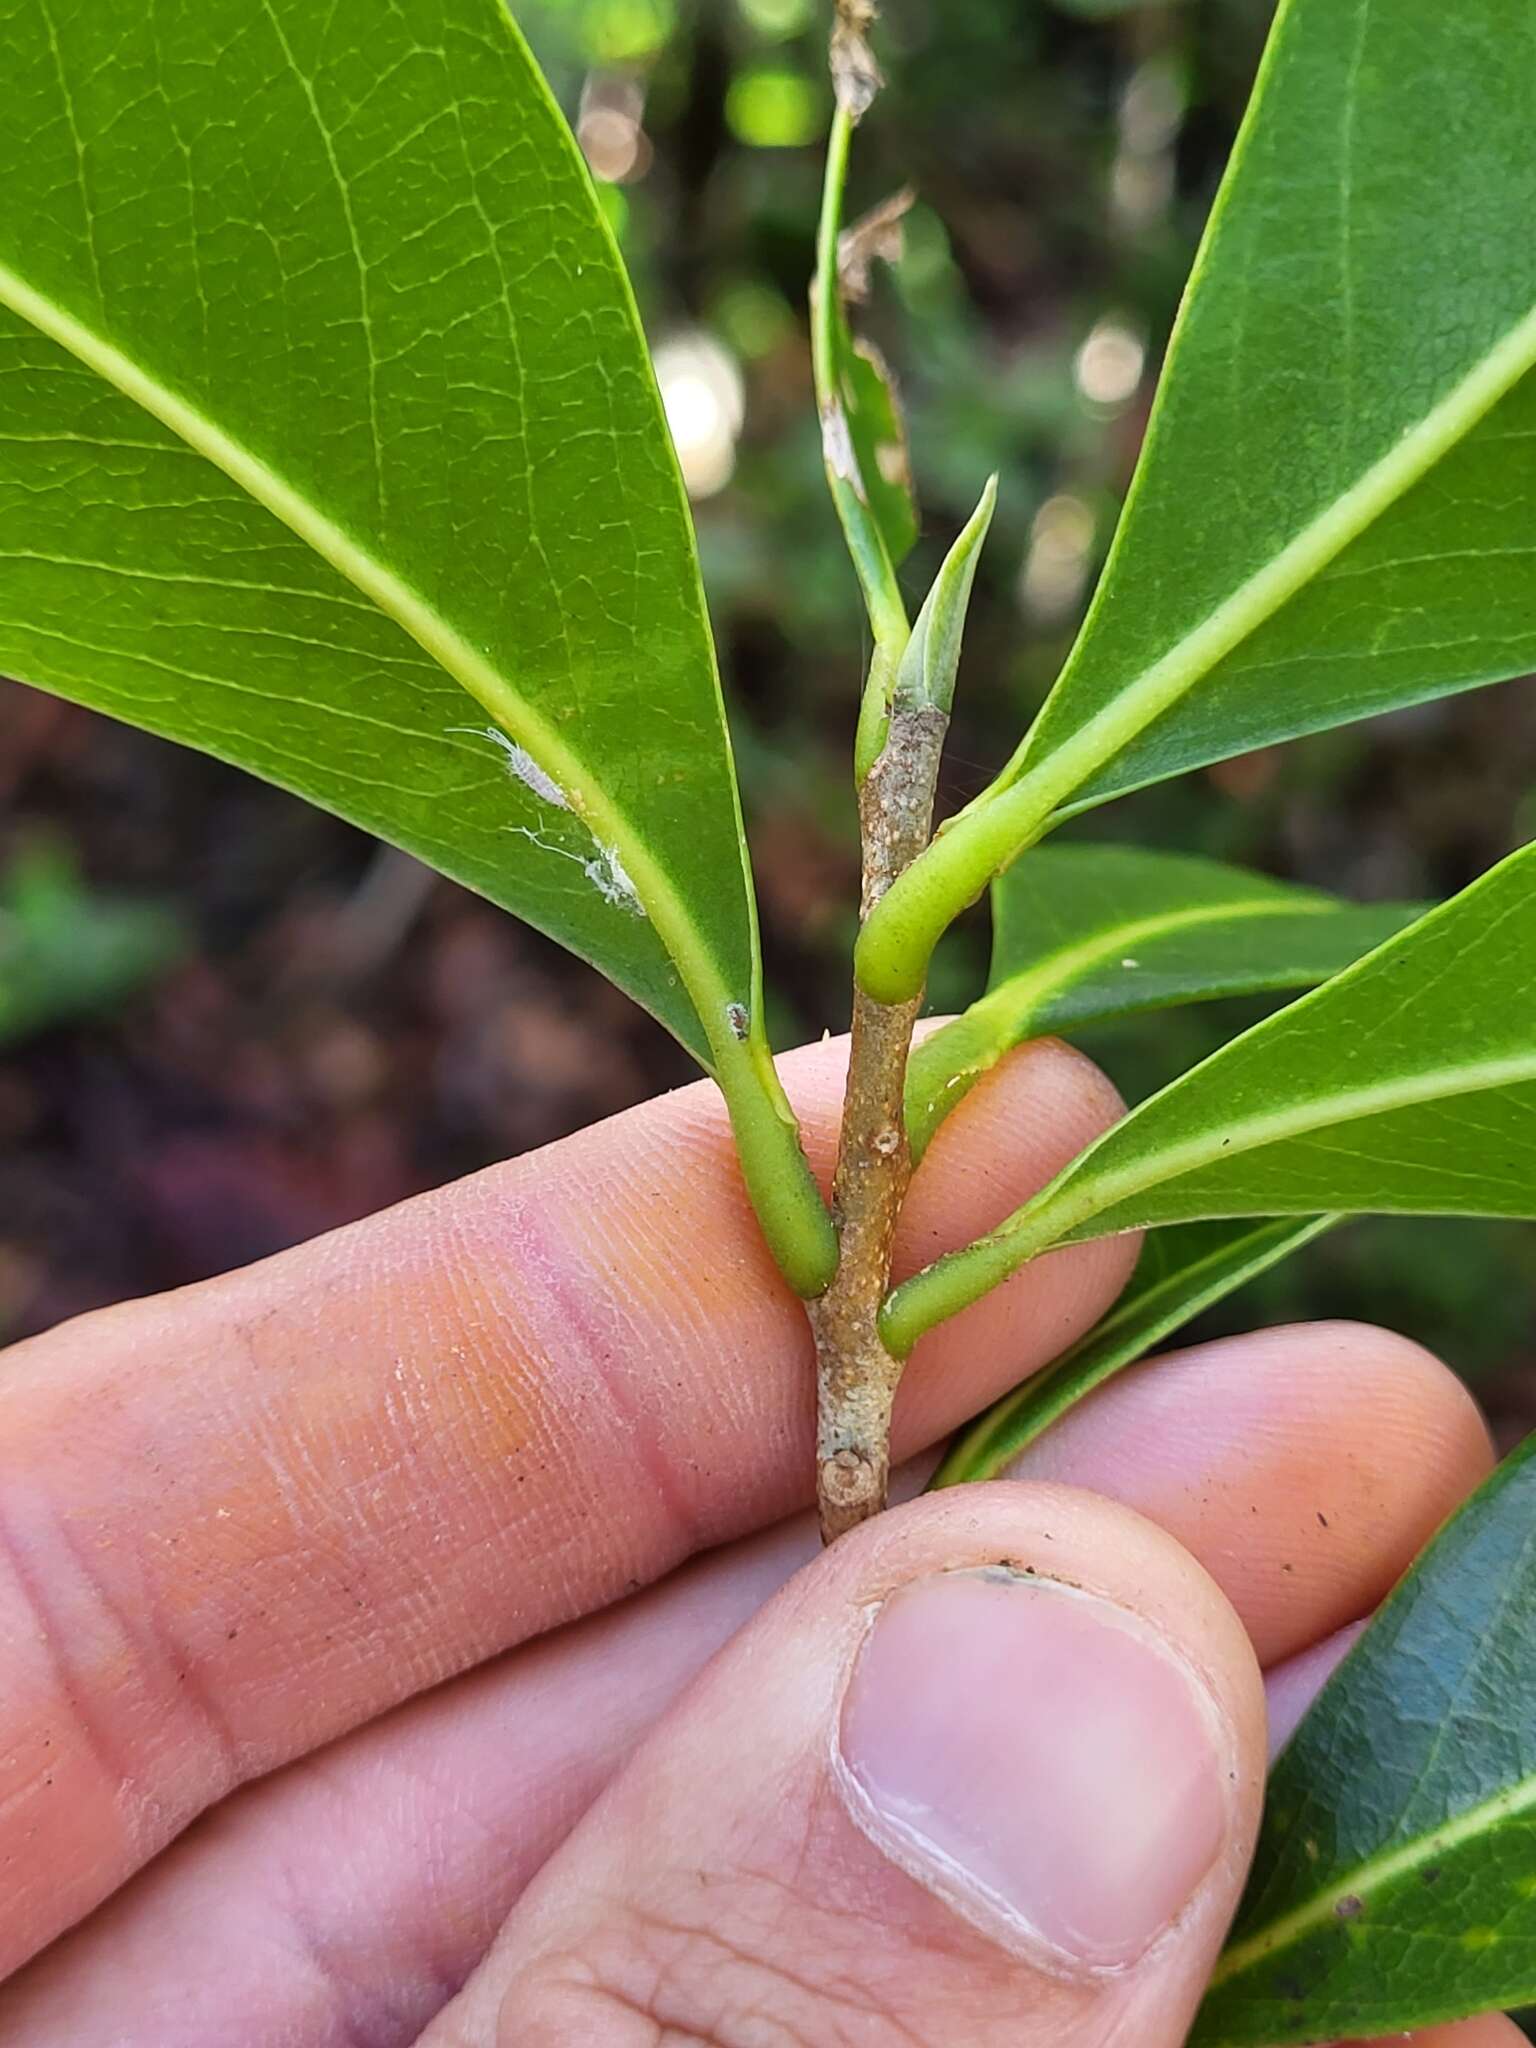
x=988 y=1771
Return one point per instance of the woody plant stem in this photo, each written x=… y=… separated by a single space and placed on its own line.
x=856 y=1377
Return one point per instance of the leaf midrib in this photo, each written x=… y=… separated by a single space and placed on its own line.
x=1374 y=1873
x=1035 y=986
x=1059 y=1215
x=1005 y=1014
x=1065 y=767
x=394 y=597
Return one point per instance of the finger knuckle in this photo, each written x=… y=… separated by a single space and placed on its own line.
x=643 y=1980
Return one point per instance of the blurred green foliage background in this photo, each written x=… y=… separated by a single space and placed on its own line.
x=339 y=1028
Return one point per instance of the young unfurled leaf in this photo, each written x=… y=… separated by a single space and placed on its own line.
x=925 y=678
x=1086 y=933
x=1181 y=1273
x=330 y=445
x=1394 y=1884
x=1407 y=1084
x=1334 y=512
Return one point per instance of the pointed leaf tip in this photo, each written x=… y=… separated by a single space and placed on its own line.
x=926 y=677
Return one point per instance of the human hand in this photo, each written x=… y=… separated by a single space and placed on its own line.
x=987 y=1771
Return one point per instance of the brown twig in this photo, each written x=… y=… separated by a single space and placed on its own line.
x=856 y=1377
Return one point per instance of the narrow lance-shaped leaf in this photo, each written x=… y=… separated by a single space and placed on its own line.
x=1181 y=1273
x=1333 y=514
x=1407 y=1084
x=329 y=444
x=863 y=441
x=925 y=677
x=1082 y=934
x=866 y=389
x=1394 y=1884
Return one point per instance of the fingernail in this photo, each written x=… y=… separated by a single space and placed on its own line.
x=1039 y=1757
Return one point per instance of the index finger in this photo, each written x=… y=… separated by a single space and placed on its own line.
x=237 y=1521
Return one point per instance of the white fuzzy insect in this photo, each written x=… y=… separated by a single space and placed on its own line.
x=603 y=869
x=521 y=765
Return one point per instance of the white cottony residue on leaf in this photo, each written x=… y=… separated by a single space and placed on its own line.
x=603 y=869
x=608 y=876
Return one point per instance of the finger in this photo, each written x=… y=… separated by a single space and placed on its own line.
x=992 y=1765
x=431 y=1820
x=415 y=1870
x=1304 y=1466
x=1292 y=1686
x=240 y=1520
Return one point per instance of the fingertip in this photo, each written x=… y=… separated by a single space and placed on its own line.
x=1022 y=1122
x=1429 y=1403
x=1305 y=1465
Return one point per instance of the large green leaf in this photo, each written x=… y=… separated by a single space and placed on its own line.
x=1085 y=933
x=1334 y=513
x=1406 y=1084
x=1181 y=1273
x=1395 y=1881
x=329 y=443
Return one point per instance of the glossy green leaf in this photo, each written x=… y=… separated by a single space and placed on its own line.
x=329 y=444
x=1181 y=1273
x=1334 y=515
x=66 y=953
x=316 y=423
x=1082 y=934
x=1395 y=1880
x=1407 y=1084
x=1334 y=512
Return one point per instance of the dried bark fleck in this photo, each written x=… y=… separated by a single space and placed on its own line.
x=856 y=77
